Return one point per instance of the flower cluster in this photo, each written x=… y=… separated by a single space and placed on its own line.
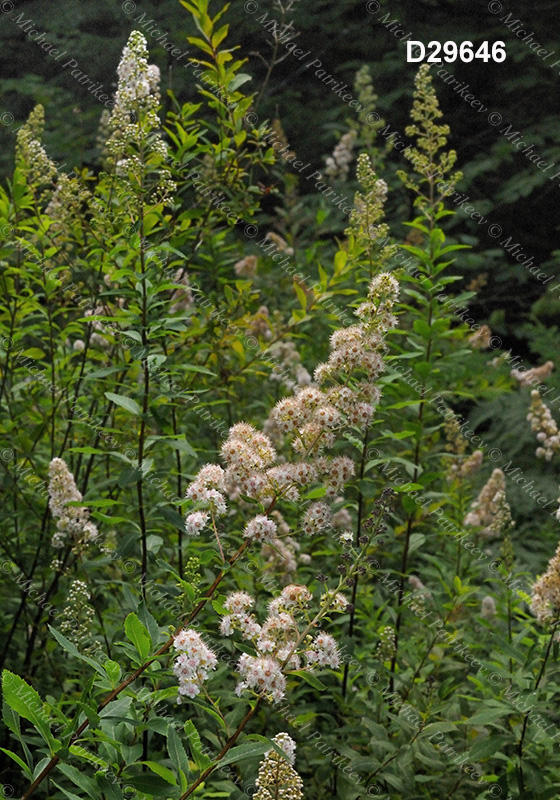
x=481 y=339
x=386 y=644
x=193 y=664
x=288 y=370
x=365 y=217
x=532 y=376
x=280 y=243
x=71 y=521
x=467 y=467
x=277 y=779
x=260 y=529
x=346 y=394
x=30 y=153
x=338 y=165
x=79 y=615
x=488 y=607
x=490 y=511
x=137 y=94
x=134 y=121
x=543 y=424
x=368 y=121
x=431 y=138
x=356 y=354
x=545 y=601
x=278 y=642
x=246 y=267
x=207 y=490
x=66 y=203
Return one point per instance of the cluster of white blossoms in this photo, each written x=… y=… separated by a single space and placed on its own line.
x=543 y=424
x=72 y=522
x=278 y=642
x=277 y=779
x=545 y=600
x=310 y=419
x=137 y=96
x=490 y=511
x=207 y=490
x=338 y=165
x=134 y=119
x=194 y=662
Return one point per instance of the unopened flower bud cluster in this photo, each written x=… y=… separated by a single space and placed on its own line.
x=277 y=779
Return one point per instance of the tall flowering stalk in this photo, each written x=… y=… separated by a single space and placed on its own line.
x=430 y=180
x=137 y=154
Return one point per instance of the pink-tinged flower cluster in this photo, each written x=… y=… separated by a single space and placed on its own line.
x=279 y=642
x=323 y=652
x=260 y=529
x=207 y=491
x=316 y=519
x=248 y=454
x=194 y=662
x=239 y=618
x=263 y=675
x=356 y=358
x=71 y=521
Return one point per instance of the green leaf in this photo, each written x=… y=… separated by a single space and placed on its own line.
x=487 y=715
x=32 y=352
x=138 y=635
x=177 y=752
x=73 y=650
x=125 y=402
x=309 y=678
x=25 y=701
x=243 y=752
x=195 y=746
x=18 y=761
x=422 y=327
x=162 y=771
x=81 y=752
x=302 y=297
x=486 y=746
x=113 y=670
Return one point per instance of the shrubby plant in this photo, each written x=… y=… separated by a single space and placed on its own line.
x=243 y=512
